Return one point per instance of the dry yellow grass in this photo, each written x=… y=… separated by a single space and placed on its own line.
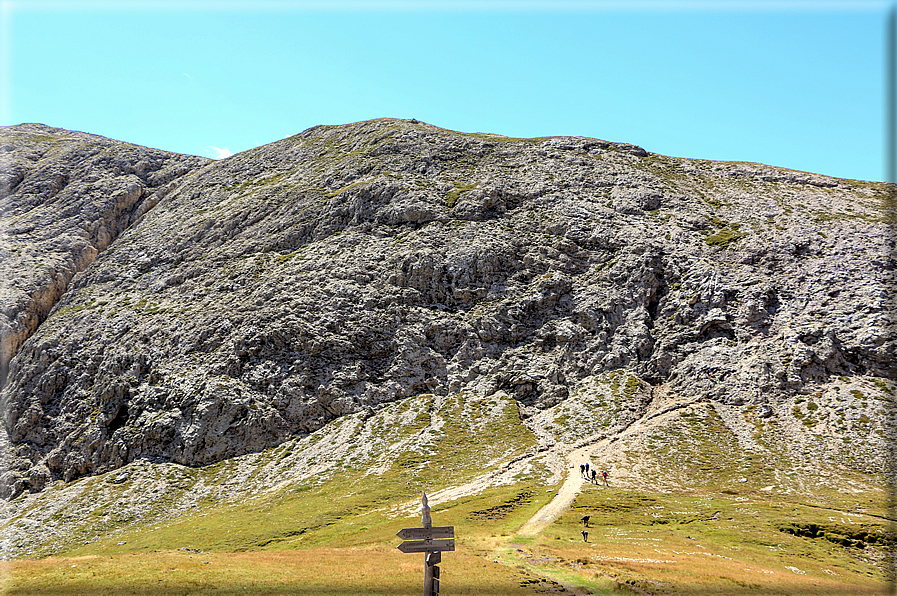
x=318 y=572
x=662 y=568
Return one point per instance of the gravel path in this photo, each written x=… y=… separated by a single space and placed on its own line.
x=568 y=491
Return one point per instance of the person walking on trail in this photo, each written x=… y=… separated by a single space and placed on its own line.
x=582 y=469
x=585 y=520
x=585 y=535
x=604 y=474
x=587 y=469
x=594 y=473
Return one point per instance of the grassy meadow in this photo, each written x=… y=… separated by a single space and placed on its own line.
x=639 y=542
x=331 y=530
x=714 y=544
x=353 y=555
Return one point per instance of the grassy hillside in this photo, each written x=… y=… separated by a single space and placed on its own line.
x=702 y=500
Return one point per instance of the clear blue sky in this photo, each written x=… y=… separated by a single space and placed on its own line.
x=794 y=84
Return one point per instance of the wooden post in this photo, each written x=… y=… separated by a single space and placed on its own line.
x=427 y=522
x=428 y=579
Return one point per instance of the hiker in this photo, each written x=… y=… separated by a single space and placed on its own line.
x=585 y=535
x=585 y=520
x=605 y=478
x=587 y=469
x=594 y=473
x=582 y=469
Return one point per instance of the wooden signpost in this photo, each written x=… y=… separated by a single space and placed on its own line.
x=426 y=546
x=427 y=533
x=431 y=541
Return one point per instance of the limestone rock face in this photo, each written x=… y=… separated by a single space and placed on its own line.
x=64 y=198
x=229 y=306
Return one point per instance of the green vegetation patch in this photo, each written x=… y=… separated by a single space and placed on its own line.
x=339 y=191
x=501 y=511
x=631 y=387
x=452 y=196
x=723 y=238
x=883 y=385
x=849 y=535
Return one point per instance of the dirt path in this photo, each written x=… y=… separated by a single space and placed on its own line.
x=598 y=451
x=547 y=514
x=568 y=491
x=592 y=452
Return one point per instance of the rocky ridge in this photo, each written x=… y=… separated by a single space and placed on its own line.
x=242 y=303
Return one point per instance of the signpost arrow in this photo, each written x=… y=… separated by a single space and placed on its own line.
x=426 y=546
x=426 y=533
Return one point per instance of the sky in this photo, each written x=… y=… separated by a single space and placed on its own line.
x=799 y=84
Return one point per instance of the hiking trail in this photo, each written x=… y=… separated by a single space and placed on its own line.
x=565 y=495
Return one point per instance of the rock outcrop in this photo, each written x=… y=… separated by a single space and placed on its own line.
x=66 y=196
x=243 y=302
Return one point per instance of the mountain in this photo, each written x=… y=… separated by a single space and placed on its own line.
x=168 y=308
x=281 y=349
x=190 y=311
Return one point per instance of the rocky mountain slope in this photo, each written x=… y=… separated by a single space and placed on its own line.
x=66 y=197
x=206 y=310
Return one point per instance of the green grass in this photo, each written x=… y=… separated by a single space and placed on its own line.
x=676 y=543
x=723 y=238
x=706 y=543
x=452 y=196
x=705 y=532
x=419 y=444
x=150 y=563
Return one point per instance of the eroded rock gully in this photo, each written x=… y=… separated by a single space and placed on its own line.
x=225 y=307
